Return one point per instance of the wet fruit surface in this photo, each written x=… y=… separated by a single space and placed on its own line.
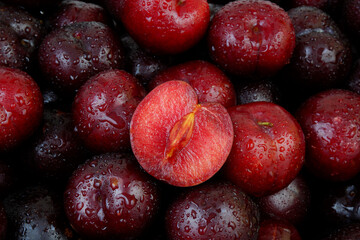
x=217 y=210
x=21 y=107
x=330 y=121
x=71 y=55
x=36 y=213
x=21 y=34
x=208 y=81
x=166 y=27
x=251 y=38
x=103 y=108
x=268 y=150
x=177 y=140
x=110 y=196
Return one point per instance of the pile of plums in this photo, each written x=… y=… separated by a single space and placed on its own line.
x=180 y=119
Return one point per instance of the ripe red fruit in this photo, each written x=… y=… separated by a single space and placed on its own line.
x=251 y=38
x=331 y=123
x=21 y=107
x=103 y=108
x=178 y=140
x=208 y=81
x=70 y=55
x=268 y=150
x=216 y=210
x=111 y=197
x=163 y=26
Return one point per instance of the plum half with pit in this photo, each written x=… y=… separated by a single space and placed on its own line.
x=69 y=56
x=103 y=108
x=251 y=38
x=178 y=140
x=214 y=210
x=268 y=150
x=331 y=124
x=110 y=196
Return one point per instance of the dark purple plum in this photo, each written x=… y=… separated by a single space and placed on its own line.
x=142 y=64
x=307 y=18
x=291 y=204
x=256 y=91
x=20 y=36
x=36 y=213
x=216 y=210
x=55 y=151
x=320 y=61
x=69 y=56
x=71 y=11
x=110 y=196
x=271 y=229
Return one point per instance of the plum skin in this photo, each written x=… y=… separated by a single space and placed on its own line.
x=103 y=108
x=330 y=121
x=111 y=196
x=268 y=150
x=21 y=107
x=251 y=38
x=214 y=210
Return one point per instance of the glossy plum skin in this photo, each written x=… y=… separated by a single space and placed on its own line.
x=69 y=56
x=103 y=108
x=258 y=91
x=291 y=203
x=36 y=212
x=322 y=57
x=277 y=230
x=330 y=121
x=21 y=34
x=215 y=210
x=170 y=129
x=3 y=223
x=251 y=38
x=268 y=150
x=338 y=204
x=109 y=196
x=55 y=151
x=70 y=11
x=208 y=81
x=142 y=64
x=166 y=27
x=306 y=19
x=21 y=107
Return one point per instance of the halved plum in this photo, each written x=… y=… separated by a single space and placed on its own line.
x=178 y=140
